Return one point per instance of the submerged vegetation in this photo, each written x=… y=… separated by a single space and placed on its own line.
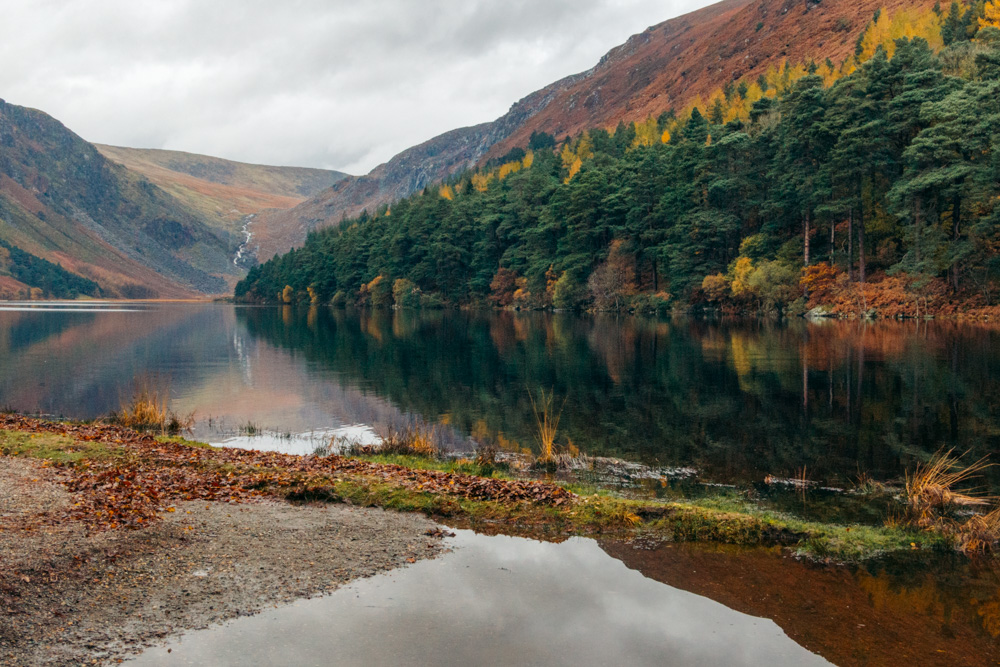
x=869 y=188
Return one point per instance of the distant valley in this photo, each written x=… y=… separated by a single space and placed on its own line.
x=81 y=220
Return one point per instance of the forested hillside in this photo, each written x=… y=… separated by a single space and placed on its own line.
x=665 y=66
x=24 y=276
x=869 y=184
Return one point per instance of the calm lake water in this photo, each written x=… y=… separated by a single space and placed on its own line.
x=735 y=401
x=497 y=601
x=512 y=601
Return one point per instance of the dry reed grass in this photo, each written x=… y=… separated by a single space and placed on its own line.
x=932 y=501
x=930 y=489
x=980 y=534
x=411 y=441
x=547 y=420
x=147 y=409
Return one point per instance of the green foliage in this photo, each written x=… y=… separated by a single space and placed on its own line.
x=53 y=280
x=892 y=168
x=568 y=293
x=405 y=294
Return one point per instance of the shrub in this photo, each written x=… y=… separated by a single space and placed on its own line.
x=568 y=293
x=650 y=303
x=378 y=292
x=405 y=294
x=716 y=287
x=432 y=301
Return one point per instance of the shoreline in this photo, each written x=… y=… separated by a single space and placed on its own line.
x=105 y=524
x=70 y=596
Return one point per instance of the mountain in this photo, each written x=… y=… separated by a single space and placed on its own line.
x=66 y=208
x=664 y=67
x=223 y=191
x=868 y=186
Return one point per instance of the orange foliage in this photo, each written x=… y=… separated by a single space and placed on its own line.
x=898 y=296
x=503 y=286
x=819 y=280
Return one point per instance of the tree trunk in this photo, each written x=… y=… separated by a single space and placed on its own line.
x=833 y=243
x=805 y=234
x=956 y=221
x=917 y=227
x=861 y=243
x=850 y=244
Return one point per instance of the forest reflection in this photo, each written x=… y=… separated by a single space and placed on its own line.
x=738 y=399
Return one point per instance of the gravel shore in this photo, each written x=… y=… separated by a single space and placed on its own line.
x=68 y=597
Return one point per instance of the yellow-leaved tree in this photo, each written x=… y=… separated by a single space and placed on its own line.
x=647 y=133
x=991 y=15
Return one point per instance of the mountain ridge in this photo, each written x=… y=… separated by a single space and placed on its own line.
x=223 y=191
x=63 y=202
x=663 y=67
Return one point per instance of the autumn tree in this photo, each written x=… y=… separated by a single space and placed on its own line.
x=613 y=280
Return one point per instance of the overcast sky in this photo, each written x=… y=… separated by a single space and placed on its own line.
x=340 y=84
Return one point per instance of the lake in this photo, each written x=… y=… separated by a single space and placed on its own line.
x=726 y=402
x=497 y=600
x=730 y=401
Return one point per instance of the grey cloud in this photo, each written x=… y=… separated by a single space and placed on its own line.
x=327 y=83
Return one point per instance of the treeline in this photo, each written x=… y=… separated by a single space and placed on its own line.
x=43 y=278
x=832 y=179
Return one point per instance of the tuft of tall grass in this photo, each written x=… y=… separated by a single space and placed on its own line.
x=930 y=490
x=932 y=501
x=980 y=534
x=147 y=409
x=547 y=420
x=250 y=429
x=866 y=485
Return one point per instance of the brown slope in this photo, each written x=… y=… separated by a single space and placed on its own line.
x=673 y=63
x=663 y=67
x=63 y=201
x=223 y=191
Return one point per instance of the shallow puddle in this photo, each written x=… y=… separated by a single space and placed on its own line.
x=497 y=600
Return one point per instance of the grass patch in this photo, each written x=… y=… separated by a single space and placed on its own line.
x=50 y=447
x=417 y=462
x=180 y=440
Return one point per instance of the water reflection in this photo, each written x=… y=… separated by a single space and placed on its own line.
x=737 y=400
x=887 y=614
x=497 y=601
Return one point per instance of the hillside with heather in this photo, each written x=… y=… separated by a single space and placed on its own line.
x=671 y=65
x=68 y=213
x=222 y=191
x=865 y=186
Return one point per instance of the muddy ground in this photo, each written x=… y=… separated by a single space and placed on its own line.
x=69 y=597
